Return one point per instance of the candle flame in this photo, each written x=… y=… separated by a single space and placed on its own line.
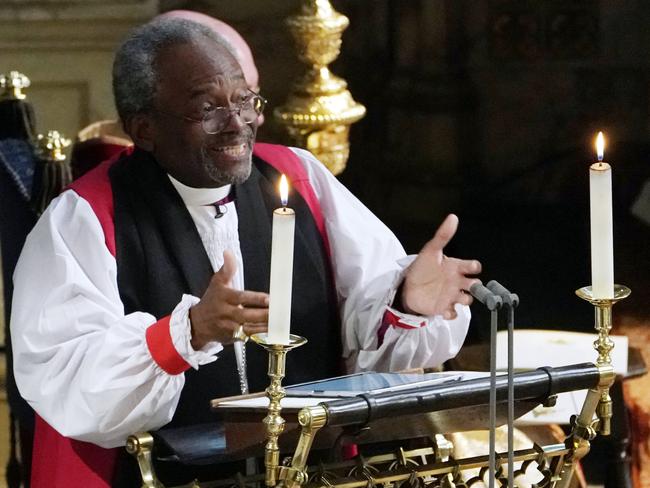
x=284 y=190
x=600 y=146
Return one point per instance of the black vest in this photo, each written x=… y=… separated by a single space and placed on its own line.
x=160 y=257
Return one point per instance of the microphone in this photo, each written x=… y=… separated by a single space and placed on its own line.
x=485 y=296
x=498 y=289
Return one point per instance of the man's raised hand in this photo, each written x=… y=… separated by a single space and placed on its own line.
x=223 y=309
x=434 y=282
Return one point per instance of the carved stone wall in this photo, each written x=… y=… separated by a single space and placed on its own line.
x=66 y=49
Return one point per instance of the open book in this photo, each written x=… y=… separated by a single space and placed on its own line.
x=534 y=348
x=312 y=393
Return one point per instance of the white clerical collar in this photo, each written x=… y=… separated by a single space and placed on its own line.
x=195 y=197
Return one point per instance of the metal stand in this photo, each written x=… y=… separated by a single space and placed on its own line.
x=275 y=393
x=511 y=301
x=140 y=446
x=493 y=303
x=598 y=401
x=604 y=345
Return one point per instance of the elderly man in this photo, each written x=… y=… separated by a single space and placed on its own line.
x=132 y=284
x=89 y=152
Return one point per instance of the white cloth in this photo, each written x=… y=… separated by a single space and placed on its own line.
x=84 y=365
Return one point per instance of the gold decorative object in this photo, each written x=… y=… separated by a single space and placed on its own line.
x=583 y=426
x=311 y=419
x=320 y=109
x=598 y=401
x=140 y=446
x=275 y=393
x=13 y=86
x=53 y=169
x=52 y=145
x=603 y=324
x=418 y=467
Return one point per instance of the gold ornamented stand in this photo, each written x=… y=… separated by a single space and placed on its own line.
x=320 y=109
x=275 y=393
x=604 y=345
x=598 y=401
x=140 y=446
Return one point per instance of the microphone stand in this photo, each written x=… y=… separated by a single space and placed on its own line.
x=511 y=301
x=493 y=303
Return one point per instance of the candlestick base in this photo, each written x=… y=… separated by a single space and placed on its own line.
x=262 y=340
x=604 y=345
x=620 y=292
x=275 y=392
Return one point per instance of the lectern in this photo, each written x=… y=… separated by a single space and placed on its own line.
x=369 y=418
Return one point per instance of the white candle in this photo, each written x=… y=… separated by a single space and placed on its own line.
x=602 y=235
x=284 y=223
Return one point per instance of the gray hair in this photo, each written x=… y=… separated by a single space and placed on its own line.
x=134 y=70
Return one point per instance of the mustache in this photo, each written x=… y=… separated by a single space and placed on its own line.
x=220 y=140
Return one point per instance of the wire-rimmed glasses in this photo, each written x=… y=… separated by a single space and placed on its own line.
x=215 y=119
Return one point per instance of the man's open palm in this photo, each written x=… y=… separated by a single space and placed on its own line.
x=435 y=282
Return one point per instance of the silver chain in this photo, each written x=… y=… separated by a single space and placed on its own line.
x=240 y=357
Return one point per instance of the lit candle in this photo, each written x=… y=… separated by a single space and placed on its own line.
x=284 y=223
x=602 y=235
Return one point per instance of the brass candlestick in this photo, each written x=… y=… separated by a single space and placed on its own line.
x=583 y=426
x=604 y=345
x=275 y=393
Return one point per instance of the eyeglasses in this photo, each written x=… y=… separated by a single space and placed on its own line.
x=215 y=119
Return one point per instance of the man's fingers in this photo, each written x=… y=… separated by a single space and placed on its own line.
x=251 y=315
x=443 y=235
x=469 y=266
x=250 y=329
x=465 y=299
x=228 y=269
x=249 y=298
x=467 y=284
x=244 y=297
x=449 y=314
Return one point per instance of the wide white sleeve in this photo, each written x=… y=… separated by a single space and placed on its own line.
x=80 y=362
x=369 y=264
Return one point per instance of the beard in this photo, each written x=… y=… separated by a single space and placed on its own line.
x=228 y=160
x=231 y=175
